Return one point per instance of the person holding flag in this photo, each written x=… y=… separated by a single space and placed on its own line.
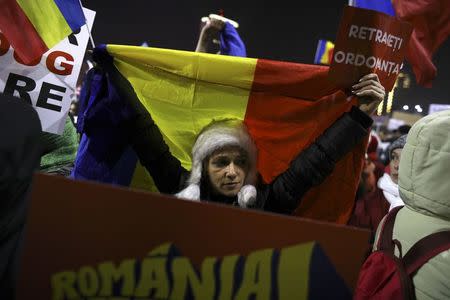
x=185 y=101
x=224 y=158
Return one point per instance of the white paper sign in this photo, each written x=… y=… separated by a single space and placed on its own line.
x=49 y=84
x=394 y=124
x=438 y=107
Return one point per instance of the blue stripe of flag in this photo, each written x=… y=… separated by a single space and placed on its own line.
x=384 y=6
x=321 y=47
x=72 y=12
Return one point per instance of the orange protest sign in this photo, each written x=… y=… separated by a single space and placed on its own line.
x=369 y=41
x=91 y=241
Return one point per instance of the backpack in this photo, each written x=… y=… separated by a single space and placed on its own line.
x=385 y=276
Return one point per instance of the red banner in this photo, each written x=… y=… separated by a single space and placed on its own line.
x=369 y=41
x=92 y=241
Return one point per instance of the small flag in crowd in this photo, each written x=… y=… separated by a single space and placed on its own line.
x=324 y=52
x=33 y=27
x=430 y=19
x=384 y=6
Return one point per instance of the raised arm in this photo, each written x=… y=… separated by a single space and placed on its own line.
x=315 y=163
x=144 y=135
x=209 y=31
x=154 y=154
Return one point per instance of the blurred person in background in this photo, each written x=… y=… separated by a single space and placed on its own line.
x=423 y=186
x=218 y=35
x=372 y=207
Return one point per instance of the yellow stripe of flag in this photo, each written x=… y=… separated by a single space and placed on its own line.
x=326 y=57
x=46 y=19
x=172 y=83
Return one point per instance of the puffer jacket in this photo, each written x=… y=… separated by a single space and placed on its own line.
x=424 y=187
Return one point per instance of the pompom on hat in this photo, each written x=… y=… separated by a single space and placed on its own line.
x=215 y=136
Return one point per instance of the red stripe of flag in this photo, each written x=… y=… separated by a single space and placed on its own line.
x=309 y=104
x=19 y=31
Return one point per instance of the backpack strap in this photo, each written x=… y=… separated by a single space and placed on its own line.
x=385 y=240
x=425 y=249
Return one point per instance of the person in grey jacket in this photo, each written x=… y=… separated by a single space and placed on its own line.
x=423 y=182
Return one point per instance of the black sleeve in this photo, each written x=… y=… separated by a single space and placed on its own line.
x=154 y=154
x=312 y=166
x=145 y=137
x=20 y=152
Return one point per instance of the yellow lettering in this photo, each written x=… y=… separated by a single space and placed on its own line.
x=227 y=273
x=161 y=250
x=153 y=279
x=257 y=276
x=88 y=282
x=293 y=272
x=110 y=298
x=184 y=274
x=109 y=274
x=63 y=286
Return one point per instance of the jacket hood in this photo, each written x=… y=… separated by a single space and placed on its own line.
x=424 y=171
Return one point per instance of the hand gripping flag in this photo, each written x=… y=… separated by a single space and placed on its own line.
x=284 y=105
x=33 y=27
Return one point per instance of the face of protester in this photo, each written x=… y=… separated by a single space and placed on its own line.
x=73 y=109
x=227 y=170
x=395 y=161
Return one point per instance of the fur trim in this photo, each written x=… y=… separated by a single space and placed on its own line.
x=191 y=192
x=247 y=196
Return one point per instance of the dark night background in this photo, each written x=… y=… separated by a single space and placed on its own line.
x=281 y=30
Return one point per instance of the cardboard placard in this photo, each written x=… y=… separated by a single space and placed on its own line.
x=85 y=241
x=49 y=82
x=368 y=41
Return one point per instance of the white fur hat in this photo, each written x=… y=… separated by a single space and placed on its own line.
x=217 y=135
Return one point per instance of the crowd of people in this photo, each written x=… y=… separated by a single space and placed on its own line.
x=410 y=173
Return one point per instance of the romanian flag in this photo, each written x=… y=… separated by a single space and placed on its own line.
x=285 y=106
x=384 y=6
x=430 y=19
x=33 y=27
x=431 y=22
x=324 y=52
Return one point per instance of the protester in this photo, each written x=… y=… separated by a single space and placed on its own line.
x=423 y=186
x=224 y=157
x=20 y=153
x=372 y=207
x=373 y=169
x=219 y=36
x=209 y=33
x=73 y=111
x=395 y=134
x=59 y=151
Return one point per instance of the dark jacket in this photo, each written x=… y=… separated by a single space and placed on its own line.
x=283 y=194
x=370 y=210
x=20 y=152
